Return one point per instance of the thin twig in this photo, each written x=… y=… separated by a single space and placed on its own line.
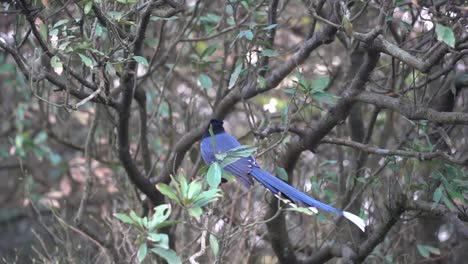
x=89 y=179
x=202 y=250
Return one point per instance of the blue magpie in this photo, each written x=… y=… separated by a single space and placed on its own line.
x=246 y=168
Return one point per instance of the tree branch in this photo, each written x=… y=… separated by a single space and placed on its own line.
x=335 y=115
x=325 y=36
x=412 y=111
x=394 y=152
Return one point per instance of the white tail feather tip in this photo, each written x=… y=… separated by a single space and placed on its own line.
x=356 y=220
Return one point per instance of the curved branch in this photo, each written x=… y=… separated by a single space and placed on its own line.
x=336 y=114
x=325 y=36
x=411 y=111
x=394 y=152
x=381 y=232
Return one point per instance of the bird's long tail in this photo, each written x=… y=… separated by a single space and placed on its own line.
x=278 y=187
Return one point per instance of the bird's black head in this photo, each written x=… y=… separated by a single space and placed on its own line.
x=217 y=126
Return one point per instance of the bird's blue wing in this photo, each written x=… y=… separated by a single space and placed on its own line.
x=223 y=143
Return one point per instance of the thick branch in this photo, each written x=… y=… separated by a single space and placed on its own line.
x=51 y=77
x=124 y=110
x=421 y=64
x=394 y=152
x=411 y=111
x=336 y=114
x=381 y=232
x=324 y=254
x=440 y=210
x=141 y=182
x=325 y=36
x=26 y=8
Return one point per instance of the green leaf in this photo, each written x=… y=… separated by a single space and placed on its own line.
x=348 y=26
x=302 y=81
x=86 y=60
x=327 y=162
x=214 y=175
x=55 y=62
x=261 y=82
x=269 y=53
x=64 y=45
x=54 y=32
x=60 y=22
x=235 y=74
x=282 y=174
x=324 y=97
x=111 y=70
x=194 y=189
x=214 y=244
x=141 y=60
x=54 y=158
x=228 y=161
x=87 y=7
x=115 y=15
x=167 y=191
x=437 y=194
x=206 y=197
x=208 y=51
x=125 y=218
x=445 y=34
x=127 y=2
x=142 y=252
x=43 y=31
x=161 y=213
x=183 y=186
x=220 y=156
x=41 y=137
x=19 y=139
x=425 y=250
x=152 y=42
x=195 y=212
x=320 y=83
x=231 y=21
x=168 y=254
x=448 y=203
x=272 y=26
x=284 y=115
x=302 y=210
x=212 y=137
x=156 y=18
x=161 y=239
x=239 y=148
x=203 y=170
x=137 y=220
x=290 y=91
x=210 y=18
x=168 y=223
x=248 y=34
x=243 y=153
x=240 y=151
x=229 y=9
x=205 y=81
x=407 y=25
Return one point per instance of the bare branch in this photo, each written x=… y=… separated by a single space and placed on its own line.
x=411 y=111
x=394 y=152
x=336 y=114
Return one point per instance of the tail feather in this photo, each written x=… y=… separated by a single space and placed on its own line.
x=277 y=187
x=356 y=220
